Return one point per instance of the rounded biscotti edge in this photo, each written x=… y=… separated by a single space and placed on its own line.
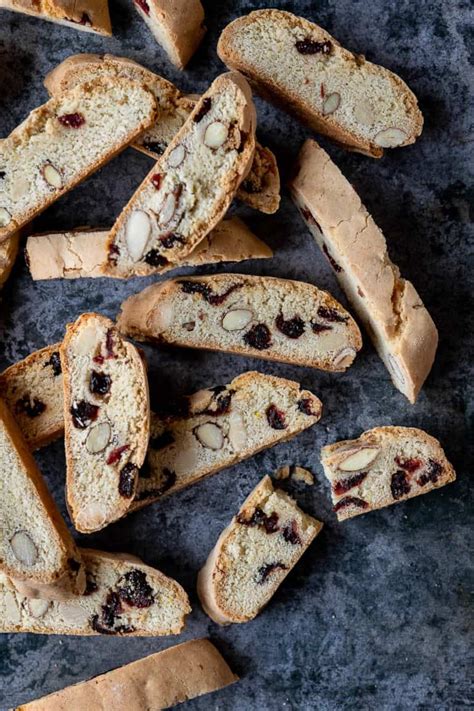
x=184 y=23
x=136 y=313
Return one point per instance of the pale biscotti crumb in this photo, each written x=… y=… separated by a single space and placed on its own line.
x=8 y=254
x=266 y=317
x=86 y=15
x=393 y=313
x=361 y=105
x=254 y=554
x=383 y=466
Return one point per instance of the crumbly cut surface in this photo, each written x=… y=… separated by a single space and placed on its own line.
x=64 y=141
x=360 y=105
x=221 y=426
x=87 y=15
x=191 y=187
x=274 y=319
x=254 y=554
x=106 y=421
x=159 y=681
x=35 y=544
x=399 y=324
x=123 y=597
x=33 y=390
x=177 y=25
x=8 y=254
x=383 y=466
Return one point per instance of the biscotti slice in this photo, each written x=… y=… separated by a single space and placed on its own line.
x=401 y=328
x=254 y=554
x=221 y=426
x=123 y=596
x=191 y=187
x=384 y=466
x=294 y=62
x=106 y=421
x=35 y=544
x=66 y=140
x=265 y=317
x=83 y=253
x=8 y=254
x=87 y=15
x=177 y=25
x=159 y=681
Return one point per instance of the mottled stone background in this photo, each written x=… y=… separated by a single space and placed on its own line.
x=376 y=614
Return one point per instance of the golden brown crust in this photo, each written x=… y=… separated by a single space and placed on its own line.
x=86 y=15
x=8 y=254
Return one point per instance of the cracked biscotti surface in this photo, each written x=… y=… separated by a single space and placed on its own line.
x=398 y=323
x=270 y=318
x=360 y=105
x=177 y=25
x=123 y=596
x=191 y=187
x=8 y=253
x=106 y=421
x=87 y=15
x=159 y=681
x=383 y=466
x=64 y=141
x=221 y=426
x=254 y=554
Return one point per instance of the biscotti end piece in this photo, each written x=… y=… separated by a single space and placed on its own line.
x=360 y=105
x=383 y=466
x=191 y=187
x=8 y=254
x=106 y=421
x=62 y=142
x=67 y=255
x=266 y=317
x=86 y=15
x=159 y=681
x=123 y=597
x=254 y=554
x=398 y=323
x=177 y=25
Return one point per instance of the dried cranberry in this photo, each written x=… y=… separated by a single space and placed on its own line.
x=197 y=287
x=83 y=413
x=292 y=328
x=432 y=474
x=72 y=120
x=260 y=518
x=168 y=241
x=85 y=20
x=116 y=453
x=113 y=254
x=156 y=180
x=155 y=147
x=309 y=217
x=331 y=260
x=74 y=564
x=161 y=441
x=2 y=174
x=102 y=629
x=143 y=5
x=409 y=465
x=205 y=107
x=305 y=405
x=99 y=359
x=99 y=383
x=30 y=406
x=134 y=589
x=220 y=403
x=331 y=314
x=399 y=485
x=127 y=479
x=276 y=418
x=155 y=259
x=308 y=46
x=266 y=570
x=91 y=586
x=340 y=487
x=259 y=337
x=55 y=363
x=109 y=343
x=290 y=533
x=169 y=480
x=350 y=501
x=110 y=612
x=319 y=327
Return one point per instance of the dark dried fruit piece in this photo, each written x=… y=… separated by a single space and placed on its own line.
x=156 y=180
x=308 y=46
x=305 y=405
x=161 y=441
x=350 y=501
x=220 y=403
x=319 y=327
x=2 y=174
x=143 y=5
x=109 y=344
x=434 y=471
x=259 y=337
x=276 y=418
x=260 y=518
x=409 y=465
x=74 y=564
x=169 y=480
x=333 y=315
x=116 y=453
x=99 y=383
x=72 y=120
x=197 y=287
x=127 y=479
x=332 y=261
x=55 y=363
x=155 y=147
x=134 y=589
x=168 y=241
x=113 y=254
x=30 y=406
x=155 y=259
x=206 y=106
x=110 y=612
x=266 y=570
x=83 y=413
x=399 y=485
x=309 y=217
x=91 y=585
x=292 y=327
x=340 y=487
x=290 y=533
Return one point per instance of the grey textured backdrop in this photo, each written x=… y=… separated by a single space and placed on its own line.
x=375 y=616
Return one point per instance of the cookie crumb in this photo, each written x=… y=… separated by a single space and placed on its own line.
x=282 y=473
x=300 y=474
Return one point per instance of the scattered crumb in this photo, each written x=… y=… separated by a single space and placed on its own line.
x=300 y=474
x=282 y=473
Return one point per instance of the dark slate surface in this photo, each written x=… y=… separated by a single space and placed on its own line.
x=375 y=616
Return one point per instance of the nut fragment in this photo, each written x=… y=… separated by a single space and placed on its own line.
x=282 y=473
x=396 y=370
x=390 y=137
x=237 y=319
x=167 y=211
x=216 y=134
x=301 y=474
x=364 y=113
x=237 y=433
x=98 y=438
x=200 y=401
x=177 y=156
x=137 y=234
x=38 y=608
x=344 y=358
x=86 y=340
x=331 y=103
x=91 y=516
x=52 y=175
x=12 y=611
x=359 y=459
x=210 y=435
x=5 y=217
x=23 y=548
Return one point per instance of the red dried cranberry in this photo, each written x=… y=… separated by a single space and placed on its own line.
x=169 y=480
x=197 y=287
x=260 y=518
x=156 y=180
x=308 y=46
x=161 y=441
x=85 y=20
x=292 y=327
x=155 y=259
x=206 y=106
x=276 y=418
x=259 y=337
x=30 y=406
x=331 y=260
x=155 y=147
x=116 y=453
x=290 y=533
x=266 y=570
x=110 y=612
x=113 y=254
x=99 y=383
x=308 y=216
x=350 y=501
x=127 y=479
x=220 y=403
x=55 y=363
x=99 y=359
x=134 y=589
x=340 y=487
x=409 y=465
x=168 y=241
x=143 y=5
x=83 y=413
x=331 y=314
x=432 y=474
x=72 y=120
x=399 y=485
x=306 y=405
x=109 y=343
x=319 y=327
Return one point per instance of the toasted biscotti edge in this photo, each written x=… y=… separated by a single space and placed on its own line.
x=91 y=15
x=8 y=254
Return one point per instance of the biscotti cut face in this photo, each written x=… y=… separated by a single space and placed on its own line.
x=87 y=15
x=156 y=682
x=122 y=597
x=177 y=25
x=384 y=466
x=220 y=426
x=398 y=323
x=254 y=554
x=358 y=104
x=274 y=319
x=8 y=253
x=106 y=421
x=66 y=140
x=33 y=391
x=191 y=187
